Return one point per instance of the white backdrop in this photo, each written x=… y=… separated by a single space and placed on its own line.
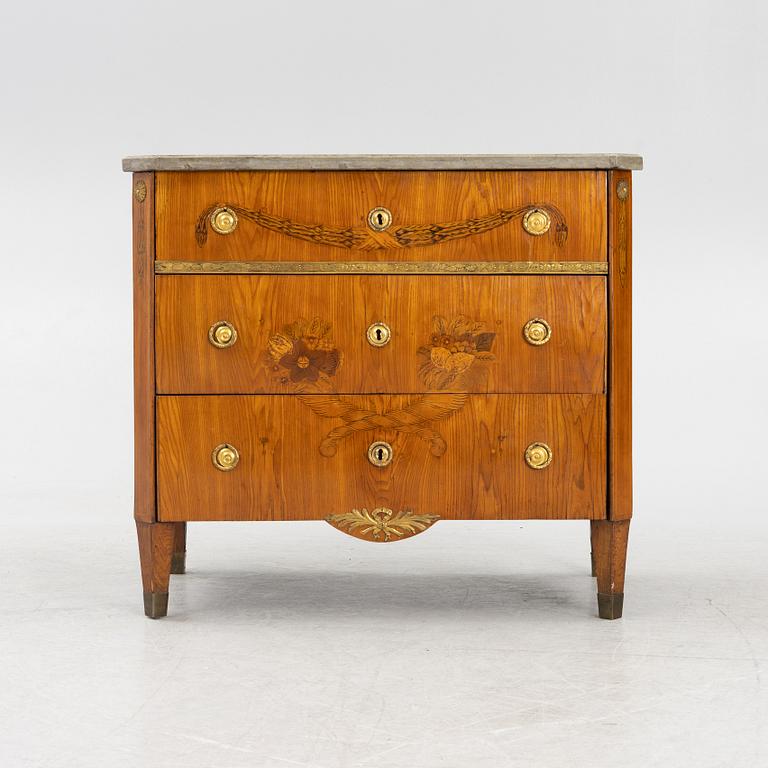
x=681 y=82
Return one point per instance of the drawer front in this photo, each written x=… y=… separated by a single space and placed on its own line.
x=435 y=216
x=455 y=456
x=309 y=334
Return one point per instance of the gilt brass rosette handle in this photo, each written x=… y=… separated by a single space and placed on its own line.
x=225 y=457
x=378 y=334
x=222 y=334
x=223 y=220
x=536 y=222
x=537 y=331
x=380 y=453
x=538 y=455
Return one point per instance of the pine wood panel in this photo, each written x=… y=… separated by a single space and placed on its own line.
x=457 y=456
x=499 y=359
x=620 y=353
x=143 y=196
x=343 y=199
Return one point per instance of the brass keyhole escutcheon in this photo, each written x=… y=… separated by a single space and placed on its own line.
x=224 y=220
x=537 y=331
x=538 y=455
x=222 y=334
x=379 y=219
x=536 y=222
x=380 y=453
x=378 y=334
x=225 y=457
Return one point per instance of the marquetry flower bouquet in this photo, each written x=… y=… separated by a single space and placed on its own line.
x=455 y=354
x=303 y=356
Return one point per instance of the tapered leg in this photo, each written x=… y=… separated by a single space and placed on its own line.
x=179 y=558
x=609 y=547
x=592 y=546
x=156 y=542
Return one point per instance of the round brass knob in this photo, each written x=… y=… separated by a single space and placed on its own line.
x=225 y=457
x=378 y=334
x=536 y=222
x=380 y=453
x=222 y=334
x=379 y=219
x=538 y=455
x=224 y=220
x=537 y=331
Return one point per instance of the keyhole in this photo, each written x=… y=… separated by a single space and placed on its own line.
x=380 y=455
x=378 y=334
x=380 y=218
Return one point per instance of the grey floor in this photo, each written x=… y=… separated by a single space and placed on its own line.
x=471 y=645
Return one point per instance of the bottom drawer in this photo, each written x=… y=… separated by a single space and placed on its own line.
x=455 y=456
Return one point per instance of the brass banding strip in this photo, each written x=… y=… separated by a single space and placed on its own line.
x=383 y=267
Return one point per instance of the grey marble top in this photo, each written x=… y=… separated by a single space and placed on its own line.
x=380 y=162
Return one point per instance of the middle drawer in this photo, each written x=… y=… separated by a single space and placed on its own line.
x=380 y=333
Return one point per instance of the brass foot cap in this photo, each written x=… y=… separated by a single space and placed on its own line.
x=610 y=606
x=179 y=562
x=156 y=604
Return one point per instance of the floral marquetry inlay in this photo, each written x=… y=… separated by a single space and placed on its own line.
x=303 y=356
x=456 y=353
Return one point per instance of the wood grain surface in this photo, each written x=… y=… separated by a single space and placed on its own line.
x=609 y=542
x=494 y=357
x=287 y=471
x=143 y=197
x=156 y=542
x=620 y=351
x=344 y=198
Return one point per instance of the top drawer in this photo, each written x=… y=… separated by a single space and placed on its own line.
x=326 y=216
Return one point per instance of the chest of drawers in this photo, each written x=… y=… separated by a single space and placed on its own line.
x=382 y=342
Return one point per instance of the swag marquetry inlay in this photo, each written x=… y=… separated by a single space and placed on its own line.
x=370 y=239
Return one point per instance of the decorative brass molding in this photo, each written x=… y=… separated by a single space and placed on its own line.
x=382 y=524
x=620 y=254
x=367 y=239
x=140 y=190
x=413 y=419
x=383 y=267
x=456 y=353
